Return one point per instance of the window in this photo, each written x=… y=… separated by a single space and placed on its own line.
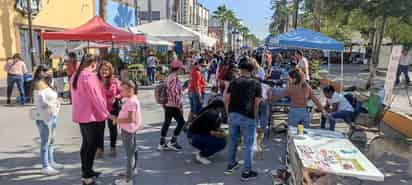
x=24 y=47
x=144 y=15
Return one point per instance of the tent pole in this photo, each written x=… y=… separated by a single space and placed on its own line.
x=341 y=70
x=88 y=46
x=328 y=64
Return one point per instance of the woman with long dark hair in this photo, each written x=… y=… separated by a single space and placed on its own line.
x=111 y=89
x=46 y=109
x=90 y=112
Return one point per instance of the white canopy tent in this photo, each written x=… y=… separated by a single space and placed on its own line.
x=204 y=39
x=166 y=30
x=151 y=40
x=172 y=31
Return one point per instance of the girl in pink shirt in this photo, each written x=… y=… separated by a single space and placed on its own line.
x=129 y=121
x=90 y=111
x=111 y=89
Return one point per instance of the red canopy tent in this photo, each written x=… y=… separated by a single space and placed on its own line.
x=96 y=29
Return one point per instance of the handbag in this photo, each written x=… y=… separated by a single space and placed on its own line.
x=116 y=107
x=34 y=114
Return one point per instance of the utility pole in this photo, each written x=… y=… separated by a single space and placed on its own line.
x=136 y=13
x=31 y=48
x=149 y=7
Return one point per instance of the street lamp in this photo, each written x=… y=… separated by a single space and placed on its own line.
x=29 y=9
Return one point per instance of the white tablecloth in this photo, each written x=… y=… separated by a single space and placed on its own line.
x=331 y=152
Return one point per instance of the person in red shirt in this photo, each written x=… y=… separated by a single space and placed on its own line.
x=196 y=90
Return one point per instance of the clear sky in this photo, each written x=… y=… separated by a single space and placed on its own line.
x=255 y=14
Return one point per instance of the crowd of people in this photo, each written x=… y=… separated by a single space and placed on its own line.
x=242 y=88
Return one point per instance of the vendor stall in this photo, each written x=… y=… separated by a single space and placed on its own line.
x=320 y=154
x=97 y=31
x=307 y=39
x=173 y=32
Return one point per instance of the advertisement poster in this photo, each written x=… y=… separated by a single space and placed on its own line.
x=391 y=73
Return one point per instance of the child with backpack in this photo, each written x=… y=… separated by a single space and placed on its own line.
x=129 y=121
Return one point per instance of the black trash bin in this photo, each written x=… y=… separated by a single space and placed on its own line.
x=28 y=79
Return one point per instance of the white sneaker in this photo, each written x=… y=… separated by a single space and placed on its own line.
x=123 y=181
x=49 y=171
x=202 y=160
x=162 y=147
x=57 y=166
x=136 y=171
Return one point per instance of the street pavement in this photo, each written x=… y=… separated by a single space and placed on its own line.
x=20 y=164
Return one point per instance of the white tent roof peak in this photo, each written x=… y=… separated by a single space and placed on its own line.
x=166 y=30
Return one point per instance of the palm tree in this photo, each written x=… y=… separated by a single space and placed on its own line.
x=232 y=22
x=280 y=16
x=102 y=9
x=221 y=14
x=244 y=31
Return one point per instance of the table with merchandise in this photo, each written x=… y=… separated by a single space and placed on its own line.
x=318 y=153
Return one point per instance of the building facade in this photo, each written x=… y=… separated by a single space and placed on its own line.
x=190 y=13
x=215 y=30
x=195 y=16
x=53 y=15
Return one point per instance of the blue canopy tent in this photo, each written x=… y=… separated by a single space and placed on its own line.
x=308 y=39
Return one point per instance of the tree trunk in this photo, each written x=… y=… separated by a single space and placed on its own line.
x=222 y=34
x=136 y=13
x=296 y=13
x=316 y=14
x=376 y=51
x=230 y=37
x=102 y=9
x=283 y=18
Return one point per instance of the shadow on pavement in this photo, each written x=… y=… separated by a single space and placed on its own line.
x=155 y=167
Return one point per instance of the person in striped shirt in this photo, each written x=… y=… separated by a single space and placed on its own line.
x=173 y=107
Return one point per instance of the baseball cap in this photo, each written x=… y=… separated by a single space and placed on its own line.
x=176 y=64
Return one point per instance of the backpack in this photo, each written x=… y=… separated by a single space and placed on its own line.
x=222 y=71
x=161 y=93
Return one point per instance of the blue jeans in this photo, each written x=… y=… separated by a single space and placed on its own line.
x=47 y=132
x=208 y=145
x=195 y=104
x=19 y=80
x=345 y=115
x=247 y=126
x=151 y=71
x=402 y=69
x=263 y=119
x=297 y=116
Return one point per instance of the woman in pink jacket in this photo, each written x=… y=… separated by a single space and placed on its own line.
x=111 y=89
x=90 y=112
